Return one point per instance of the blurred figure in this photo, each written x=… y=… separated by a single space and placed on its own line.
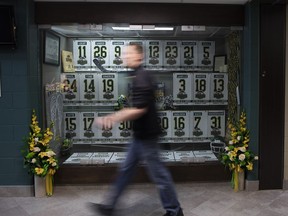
x=144 y=146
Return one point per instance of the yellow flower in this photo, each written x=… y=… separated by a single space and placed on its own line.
x=39 y=171
x=51 y=160
x=242 y=149
x=49 y=132
x=37 y=129
x=232 y=155
x=249 y=166
x=44 y=142
x=38 y=157
x=237 y=154
x=246 y=141
x=42 y=154
x=31 y=147
x=232 y=166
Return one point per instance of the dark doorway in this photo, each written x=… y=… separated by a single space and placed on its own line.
x=272 y=96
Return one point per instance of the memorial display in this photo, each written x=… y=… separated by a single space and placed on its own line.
x=191 y=98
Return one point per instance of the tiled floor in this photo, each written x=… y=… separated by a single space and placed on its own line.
x=197 y=199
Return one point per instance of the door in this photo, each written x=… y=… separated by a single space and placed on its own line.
x=272 y=96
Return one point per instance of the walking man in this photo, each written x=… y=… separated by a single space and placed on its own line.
x=144 y=145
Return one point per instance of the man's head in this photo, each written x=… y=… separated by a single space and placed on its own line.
x=133 y=55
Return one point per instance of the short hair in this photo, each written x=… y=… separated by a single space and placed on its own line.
x=138 y=48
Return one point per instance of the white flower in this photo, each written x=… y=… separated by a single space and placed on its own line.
x=33 y=160
x=256 y=158
x=242 y=157
x=242 y=149
x=54 y=164
x=36 y=140
x=239 y=138
x=230 y=142
x=36 y=149
x=50 y=153
x=226 y=148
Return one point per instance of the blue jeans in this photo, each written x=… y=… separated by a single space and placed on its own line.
x=147 y=151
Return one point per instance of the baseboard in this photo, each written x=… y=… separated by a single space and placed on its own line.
x=252 y=185
x=285 y=184
x=17 y=191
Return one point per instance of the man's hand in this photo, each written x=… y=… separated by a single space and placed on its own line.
x=126 y=114
x=106 y=122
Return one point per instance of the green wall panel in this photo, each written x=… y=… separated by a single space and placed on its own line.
x=18 y=68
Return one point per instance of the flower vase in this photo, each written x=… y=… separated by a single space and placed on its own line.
x=39 y=186
x=49 y=184
x=238 y=180
x=241 y=180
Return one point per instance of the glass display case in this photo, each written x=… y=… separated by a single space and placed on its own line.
x=190 y=66
x=190 y=69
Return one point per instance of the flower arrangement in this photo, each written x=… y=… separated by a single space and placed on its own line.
x=237 y=155
x=66 y=147
x=39 y=158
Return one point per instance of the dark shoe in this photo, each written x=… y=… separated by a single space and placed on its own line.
x=179 y=213
x=104 y=210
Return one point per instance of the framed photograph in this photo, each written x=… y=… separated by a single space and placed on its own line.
x=67 y=61
x=219 y=62
x=51 y=48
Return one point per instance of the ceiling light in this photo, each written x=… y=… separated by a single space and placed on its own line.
x=96 y=27
x=120 y=28
x=135 y=27
x=192 y=28
x=144 y=28
x=161 y=29
x=148 y=27
x=187 y=28
x=199 y=28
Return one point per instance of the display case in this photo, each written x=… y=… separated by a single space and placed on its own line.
x=191 y=96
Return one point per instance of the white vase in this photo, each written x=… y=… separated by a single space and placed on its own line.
x=39 y=186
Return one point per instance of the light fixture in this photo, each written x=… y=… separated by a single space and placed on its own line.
x=199 y=28
x=142 y=28
x=187 y=28
x=96 y=27
x=120 y=28
x=161 y=29
x=192 y=28
x=135 y=27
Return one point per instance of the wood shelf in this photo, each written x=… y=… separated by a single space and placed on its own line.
x=181 y=172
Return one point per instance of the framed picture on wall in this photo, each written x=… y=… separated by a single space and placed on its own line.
x=51 y=48
x=219 y=63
